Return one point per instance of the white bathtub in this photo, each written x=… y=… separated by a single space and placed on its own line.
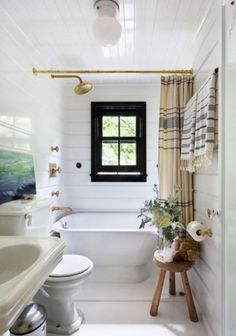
x=112 y=240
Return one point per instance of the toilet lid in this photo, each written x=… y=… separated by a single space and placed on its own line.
x=71 y=265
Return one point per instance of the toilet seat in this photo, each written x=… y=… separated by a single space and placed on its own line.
x=71 y=265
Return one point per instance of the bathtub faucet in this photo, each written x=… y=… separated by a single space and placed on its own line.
x=56 y=208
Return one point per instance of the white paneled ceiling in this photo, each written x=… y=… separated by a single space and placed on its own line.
x=157 y=34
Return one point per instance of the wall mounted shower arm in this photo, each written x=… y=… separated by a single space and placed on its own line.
x=81 y=88
x=67 y=76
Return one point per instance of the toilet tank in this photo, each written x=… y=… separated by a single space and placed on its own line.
x=25 y=217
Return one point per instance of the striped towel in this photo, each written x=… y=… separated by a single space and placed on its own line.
x=206 y=122
x=199 y=134
x=188 y=135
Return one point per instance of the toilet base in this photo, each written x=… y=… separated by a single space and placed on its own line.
x=57 y=328
x=63 y=317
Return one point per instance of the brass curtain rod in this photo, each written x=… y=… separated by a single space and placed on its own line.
x=183 y=71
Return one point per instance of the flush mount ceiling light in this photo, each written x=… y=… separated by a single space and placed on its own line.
x=107 y=29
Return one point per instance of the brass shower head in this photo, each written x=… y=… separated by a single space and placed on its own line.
x=81 y=88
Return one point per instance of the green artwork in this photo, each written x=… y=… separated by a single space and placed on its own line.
x=16 y=175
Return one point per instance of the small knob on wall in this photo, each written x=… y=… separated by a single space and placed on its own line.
x=211 y=213
x=56 y=148
x=53 y=170
x=78 y=165
x=58 y=169
x=55 y=193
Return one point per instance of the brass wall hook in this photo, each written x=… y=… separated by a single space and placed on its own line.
x=56 y=148
x=55 y=193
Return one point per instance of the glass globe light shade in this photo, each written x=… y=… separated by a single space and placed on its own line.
x=107 y=30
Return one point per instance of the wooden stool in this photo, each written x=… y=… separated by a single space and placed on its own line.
x=173 y=267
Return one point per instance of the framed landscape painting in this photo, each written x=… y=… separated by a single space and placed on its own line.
x=16 y=175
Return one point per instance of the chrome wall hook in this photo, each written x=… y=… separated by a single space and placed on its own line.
x=211 y=213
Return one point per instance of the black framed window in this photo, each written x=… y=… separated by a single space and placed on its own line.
x=118 y=141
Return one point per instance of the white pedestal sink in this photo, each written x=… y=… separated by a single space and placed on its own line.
x=25 y=263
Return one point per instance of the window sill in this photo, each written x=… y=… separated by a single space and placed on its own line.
x=118 y=178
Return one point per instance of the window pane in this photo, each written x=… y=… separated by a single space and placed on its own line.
x=110 y=126
x=128 y=154
x=127 y=126
x=109 y=153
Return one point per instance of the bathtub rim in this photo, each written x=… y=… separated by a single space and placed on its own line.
x=57 y=227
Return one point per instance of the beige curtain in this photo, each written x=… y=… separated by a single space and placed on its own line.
x=175 y=92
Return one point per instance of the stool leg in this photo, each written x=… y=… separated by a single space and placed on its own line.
x=172 y=283
x=189 y=297
x=157 y=294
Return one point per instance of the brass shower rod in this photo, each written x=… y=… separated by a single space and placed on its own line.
x=148 y=72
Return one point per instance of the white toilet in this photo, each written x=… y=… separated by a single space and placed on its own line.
x=31 y=218
x=66 y=280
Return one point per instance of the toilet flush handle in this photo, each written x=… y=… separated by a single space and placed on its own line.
x=28 y=220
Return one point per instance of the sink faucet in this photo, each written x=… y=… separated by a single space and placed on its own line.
x=56 y=208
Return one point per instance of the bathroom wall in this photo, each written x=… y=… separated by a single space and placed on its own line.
x=206 y=277
x=31 y=115
x=229 y=164
x=80 y=192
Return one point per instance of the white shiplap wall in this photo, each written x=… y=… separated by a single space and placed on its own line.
x=229 y=163
x=80 y=192
x=206 y=276
x=31 y=115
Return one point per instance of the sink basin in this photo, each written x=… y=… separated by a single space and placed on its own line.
x=16 y=259
x=25 y=263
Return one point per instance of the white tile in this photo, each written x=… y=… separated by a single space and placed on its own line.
x=133 y=319
x=141 y=291
x=123 y=309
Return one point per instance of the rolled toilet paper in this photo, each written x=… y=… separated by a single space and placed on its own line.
x=195 y=230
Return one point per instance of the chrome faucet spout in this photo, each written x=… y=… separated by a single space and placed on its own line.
x=60 y=208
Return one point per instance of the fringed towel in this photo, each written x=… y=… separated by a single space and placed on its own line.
x=188 y=135
x=197 y=149
x=205 y=123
